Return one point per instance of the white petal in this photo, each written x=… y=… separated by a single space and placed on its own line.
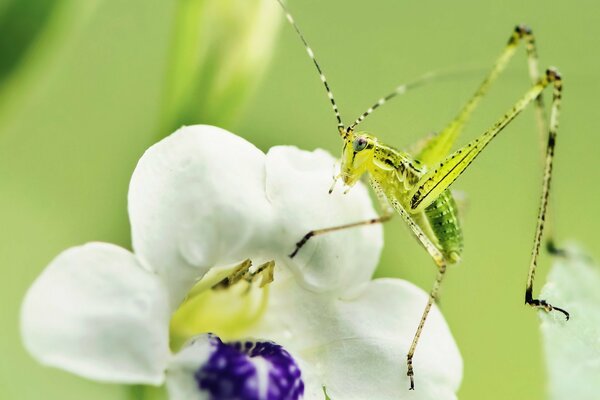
x=573 y=347
x=200 y=198
x=96 y=313
x=358 y=346
x=313 y=386
x=181 y=383
x=297 y=185
x=197 y=200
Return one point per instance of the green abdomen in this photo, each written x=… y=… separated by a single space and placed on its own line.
x=442 y=216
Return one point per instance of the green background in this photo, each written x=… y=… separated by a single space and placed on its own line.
x=78 y=111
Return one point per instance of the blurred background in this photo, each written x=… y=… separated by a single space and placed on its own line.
x=87 y=86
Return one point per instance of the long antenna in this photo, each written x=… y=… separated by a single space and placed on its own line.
x=311 y=54
x=405 y=87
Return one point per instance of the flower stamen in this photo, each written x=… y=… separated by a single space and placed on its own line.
x=243 y=272
x=226 y=301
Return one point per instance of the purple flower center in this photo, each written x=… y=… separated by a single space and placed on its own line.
x=250 y=371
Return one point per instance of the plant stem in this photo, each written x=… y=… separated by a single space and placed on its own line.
x=137 y=392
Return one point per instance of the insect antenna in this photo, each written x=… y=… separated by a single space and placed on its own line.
x=405 y=87
x=311 y=54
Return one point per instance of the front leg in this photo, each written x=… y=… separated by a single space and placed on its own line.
x=388 y=213
x=316 y=232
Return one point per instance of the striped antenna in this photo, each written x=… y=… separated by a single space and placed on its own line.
x=401 y=89
x=311 y=54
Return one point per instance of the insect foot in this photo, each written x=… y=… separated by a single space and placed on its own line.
x=543 y=304
x=410 y=373
x=302 y=242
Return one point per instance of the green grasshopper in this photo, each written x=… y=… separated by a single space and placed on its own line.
x=416 y=185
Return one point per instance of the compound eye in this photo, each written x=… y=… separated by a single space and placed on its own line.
x=359 y=143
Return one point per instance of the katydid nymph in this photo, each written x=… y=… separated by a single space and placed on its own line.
x=416 y=185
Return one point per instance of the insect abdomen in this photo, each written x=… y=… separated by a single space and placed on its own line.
x=442 y=216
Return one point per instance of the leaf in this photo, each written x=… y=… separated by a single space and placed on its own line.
x=573 y=348
x=20 y=25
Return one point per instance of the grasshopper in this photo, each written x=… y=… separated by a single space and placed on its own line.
x=416 y=185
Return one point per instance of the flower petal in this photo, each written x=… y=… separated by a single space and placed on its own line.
x=358 y=345
x=573 y=347
x=298 y=183
x=200 y=198
x=97 y=313
x=197 y=200
x=181 y=382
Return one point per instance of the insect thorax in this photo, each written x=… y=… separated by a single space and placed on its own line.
x=395 y=169
x=397 y=173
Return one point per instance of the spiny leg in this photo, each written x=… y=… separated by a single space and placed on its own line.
x=534 y=73
x=442 y=175
x=433 y=296
x=387 y=214
x=437 y=257
x=439 y=145
x=445 y=173
x=539 y=230
x=316 y=232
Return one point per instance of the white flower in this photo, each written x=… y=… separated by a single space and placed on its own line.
x=573 y=347
x=203 y=199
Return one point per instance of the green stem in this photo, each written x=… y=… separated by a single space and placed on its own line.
x=137 y=392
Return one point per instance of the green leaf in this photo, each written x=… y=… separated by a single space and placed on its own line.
x=21 y=23
x=572 y=347
x=34 y=35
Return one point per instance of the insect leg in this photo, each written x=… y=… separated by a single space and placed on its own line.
x=442 y=175
x=539 y=229
x=384 y=218
x=534 y=74
x=439 y=260
x=439 y=146
x=433 y=296
x=445 y=173
x=387 y=214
